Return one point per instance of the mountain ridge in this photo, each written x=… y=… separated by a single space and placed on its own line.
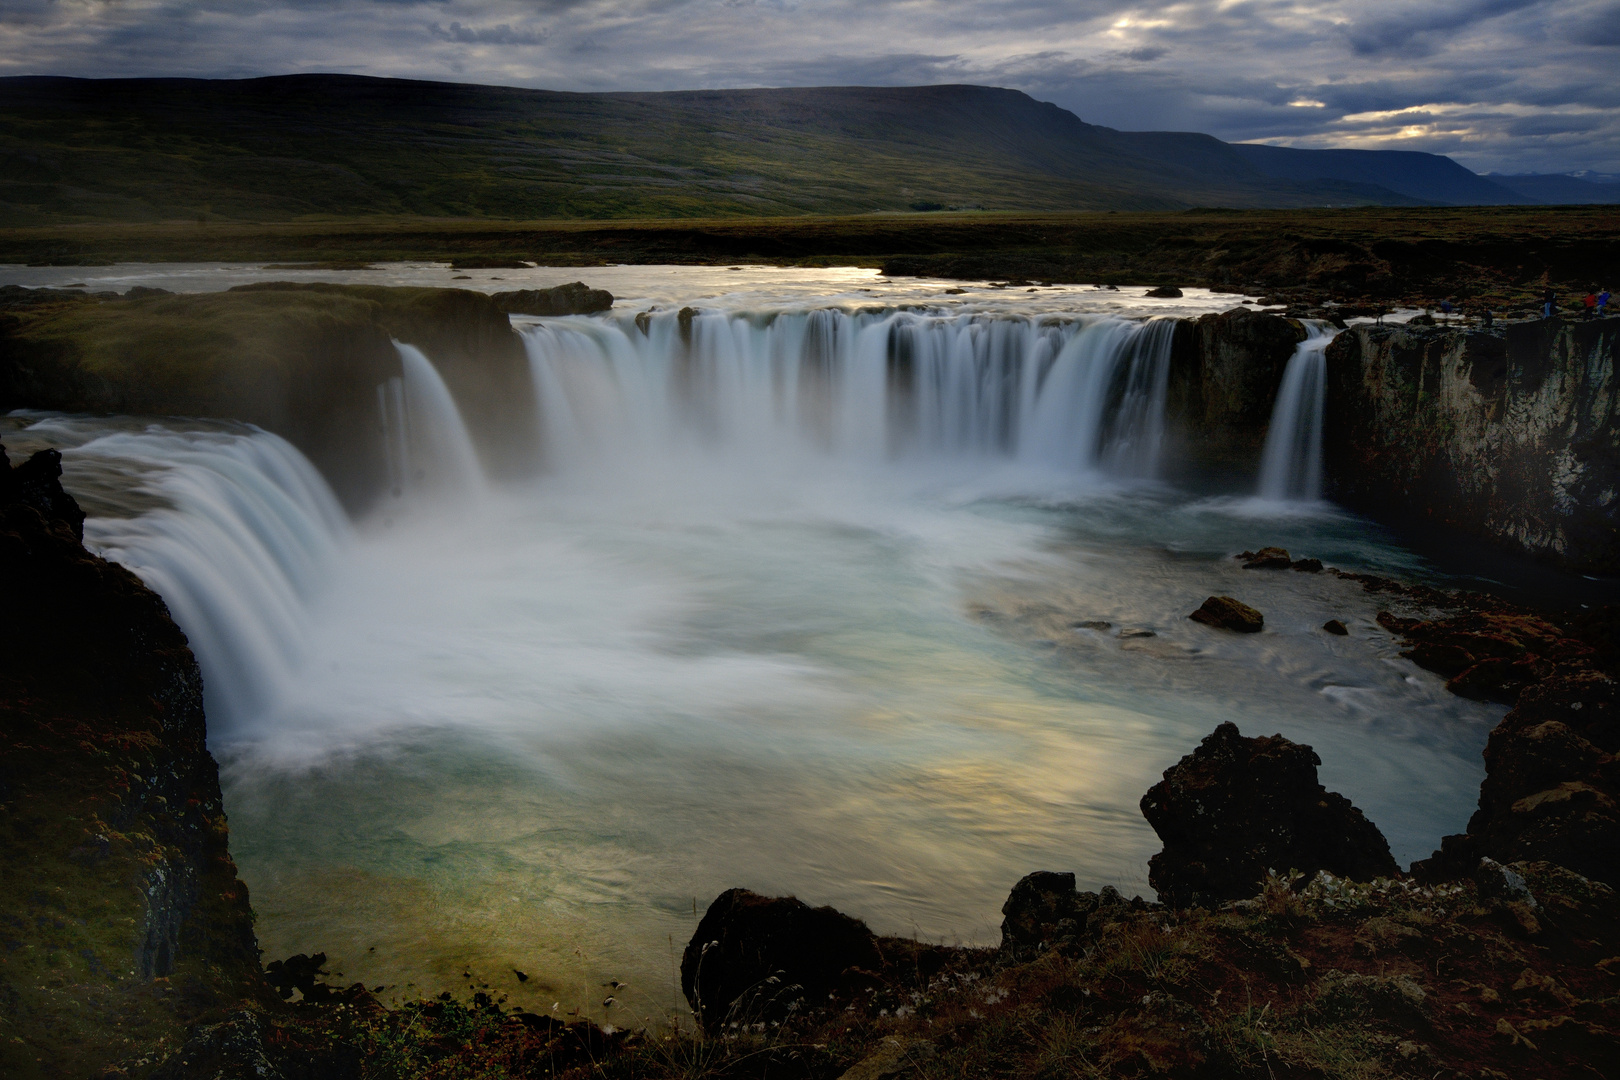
x=297 y=146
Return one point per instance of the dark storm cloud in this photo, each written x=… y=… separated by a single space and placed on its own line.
x=501 y=34
x=1517 y=85
x=1418 y=29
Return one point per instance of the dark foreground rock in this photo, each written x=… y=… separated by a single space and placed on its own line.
x=1237 y=809
x=575 y=298
x=1500 y=974
x=1552 y=784
x=1045 y=911
x=753 y=956
x=120 y=908
x=1225 y=613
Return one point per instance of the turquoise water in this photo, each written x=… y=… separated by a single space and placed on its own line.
x=540 y=726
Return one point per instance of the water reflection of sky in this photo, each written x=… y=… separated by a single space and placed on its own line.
x=640 y=287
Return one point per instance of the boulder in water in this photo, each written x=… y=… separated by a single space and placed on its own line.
x=575 y=298
x=1226 y=613
x=1267 y=558
x=1236 y=808
x=1165 y=292
x=1336 y=628
x=753 y=956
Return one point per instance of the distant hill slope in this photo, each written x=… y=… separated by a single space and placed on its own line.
x=1429 y=178
x=1561 y=190
x=315 y=145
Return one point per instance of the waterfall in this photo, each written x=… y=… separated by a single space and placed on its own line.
x=244 y=533
x=1291 y=463
x=428 y=441
x=1076 y=394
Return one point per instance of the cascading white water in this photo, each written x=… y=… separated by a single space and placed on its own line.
x=773 y=650
x=1291 y=463
x=1066 y=394
x=246 y=530
x=242 y=541
x=427 y=438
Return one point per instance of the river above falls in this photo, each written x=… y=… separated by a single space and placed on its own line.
x=538 y=726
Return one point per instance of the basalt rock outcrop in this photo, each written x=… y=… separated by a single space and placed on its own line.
x=1225 y=613
x=114 y=870
x=1552 y=784
x=302 y=360
x=1224 y=374
x=1046 y=911
x=574 y=298
x=1489 y=655
x=1513 y=435
x=753 y=956
x=1237 y=809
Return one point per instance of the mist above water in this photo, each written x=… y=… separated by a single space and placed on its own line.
x=795 y=602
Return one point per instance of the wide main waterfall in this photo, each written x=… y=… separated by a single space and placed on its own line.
x=1076 y=395
x=880 y=606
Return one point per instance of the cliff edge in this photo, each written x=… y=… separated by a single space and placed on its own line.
x=122 y=920
x=1512 y=435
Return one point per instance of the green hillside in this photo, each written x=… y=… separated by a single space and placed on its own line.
x=292 y=147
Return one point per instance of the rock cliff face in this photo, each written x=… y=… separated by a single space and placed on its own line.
x=1513 y=436
x=304 y=361
x=119 y=903
x=1224 y=374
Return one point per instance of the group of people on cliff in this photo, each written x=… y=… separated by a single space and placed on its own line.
x=1595 y=303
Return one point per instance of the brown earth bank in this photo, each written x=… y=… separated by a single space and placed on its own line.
x=1496 y=257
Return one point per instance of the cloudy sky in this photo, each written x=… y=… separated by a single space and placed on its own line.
x=1503 y=85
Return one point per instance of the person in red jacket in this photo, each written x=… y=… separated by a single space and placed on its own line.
x=1590 y=302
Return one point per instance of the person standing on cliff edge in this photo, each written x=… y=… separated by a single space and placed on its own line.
x=1603 y=302
x=1549 y=302
x=1590 y=302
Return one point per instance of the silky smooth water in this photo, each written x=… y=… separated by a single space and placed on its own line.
x=1291 y=460
x=763 y=642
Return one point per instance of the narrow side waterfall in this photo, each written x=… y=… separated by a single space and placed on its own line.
x=242 y=539
x=426 y=434
x=825 y=601
x=1076 y=395
x=1291 y=463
